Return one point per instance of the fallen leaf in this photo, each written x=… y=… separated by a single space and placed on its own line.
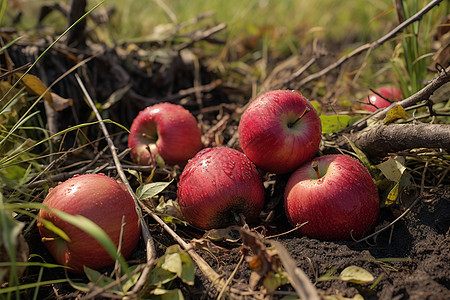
x=60 y=103
x=35 y=86
x=356 y=275
x=395 y=113
x=151 y=189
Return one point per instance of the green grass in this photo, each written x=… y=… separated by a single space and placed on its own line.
x=291 y=21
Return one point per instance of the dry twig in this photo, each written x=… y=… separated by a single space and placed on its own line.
x=149 y=243
x=369 y=46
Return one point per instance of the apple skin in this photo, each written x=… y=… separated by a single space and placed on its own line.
x=217 y=184
x=268 y=139
x=342 y=204
x=390 y=92
x=104 y=201
x=168 y=130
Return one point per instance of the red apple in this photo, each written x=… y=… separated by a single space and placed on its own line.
x=104 y=201
x=279 y=131
x=166 y=129
x=336 y=195
x=217 y=185
x=389 y=92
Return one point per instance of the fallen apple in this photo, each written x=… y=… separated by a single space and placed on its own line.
x=216 y=186
x=99 y=198
x=335 y=195
x=375 y=101
x=166 y=129
x=279 y=131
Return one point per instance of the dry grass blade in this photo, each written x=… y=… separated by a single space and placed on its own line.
x=149 y=243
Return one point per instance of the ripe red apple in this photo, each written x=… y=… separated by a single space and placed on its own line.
x=389 y=92
x=336 y=195
x=279 y=131
x=217 y=185
x=104 y=201
x=166 y=129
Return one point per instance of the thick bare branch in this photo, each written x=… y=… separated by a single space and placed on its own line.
x=383 y=139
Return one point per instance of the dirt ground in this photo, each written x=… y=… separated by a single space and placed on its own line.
x=412 y=258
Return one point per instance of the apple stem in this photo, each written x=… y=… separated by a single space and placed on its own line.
x=147 y=136
x=307 y=110
x=49 y=239
x=152 y=161
x=315 y=166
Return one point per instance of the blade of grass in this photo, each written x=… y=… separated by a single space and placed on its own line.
x=4 y=160
x=10 y=43
x=31 y=285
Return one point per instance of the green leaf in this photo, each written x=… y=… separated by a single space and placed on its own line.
x=164 y=294
x=334 y=123
x=150 y=190
x=96 y=277
x=188 y=271
x=393 y=168
x=100 y=280
x=274 y=280
x=172 y=263
x=131 y=280
x=160 y=276
x=356 y=275
x=175 y=263
x=80 y=286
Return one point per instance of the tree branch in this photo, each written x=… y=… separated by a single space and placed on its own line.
x=424 y=93
x=383 y=139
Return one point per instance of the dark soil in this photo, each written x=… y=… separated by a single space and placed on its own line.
x=411 y=258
